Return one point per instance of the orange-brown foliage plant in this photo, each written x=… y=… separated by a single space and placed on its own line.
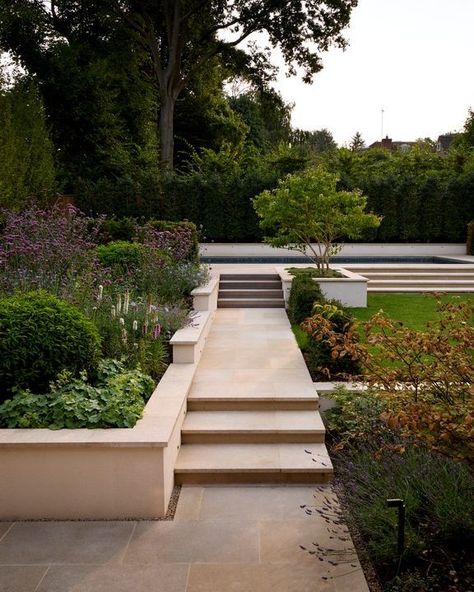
x=426 y=377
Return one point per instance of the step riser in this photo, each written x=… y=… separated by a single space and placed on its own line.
x=249 y=285
x=195 y=405
x=250 y=478
x=253 y=304
x=251 y=438
x=251 y=294
x=419 y=276
x=429 y=284
x=414 y=290
x=250 y=276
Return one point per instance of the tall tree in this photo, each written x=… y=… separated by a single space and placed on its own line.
x=357 y=142
x=183 y=35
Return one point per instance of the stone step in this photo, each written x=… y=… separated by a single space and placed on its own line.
x=249 y=276
x=444 y=283
x=250 y=285
x=250 y=303
x=251 y=293
x=408 y=289
x=222 y=427
x=253 y=463
x=297 y=396
x=382 y=275
x=414 y=267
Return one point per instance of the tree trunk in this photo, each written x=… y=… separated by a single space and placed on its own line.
x=167 y=130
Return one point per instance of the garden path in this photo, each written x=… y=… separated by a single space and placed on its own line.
x=244 y=539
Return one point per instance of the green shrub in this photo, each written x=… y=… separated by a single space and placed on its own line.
x=303 y=294
x=470 y=238
x=41 y=335
x=116 y=400
x=329 y=327
x=120 y=254
x=122 y=229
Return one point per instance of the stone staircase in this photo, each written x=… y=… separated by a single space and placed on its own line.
x=417 y=278
x=252 y=290
x=252 y=410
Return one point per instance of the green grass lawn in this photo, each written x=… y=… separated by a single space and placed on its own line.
x=413 y=310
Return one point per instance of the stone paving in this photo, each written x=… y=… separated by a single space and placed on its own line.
x=239 y=539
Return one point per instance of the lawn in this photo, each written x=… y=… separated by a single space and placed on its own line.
x=413 y=310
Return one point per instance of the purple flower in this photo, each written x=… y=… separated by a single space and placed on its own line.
x=156 y=331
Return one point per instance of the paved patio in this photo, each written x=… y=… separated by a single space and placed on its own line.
x=239 y=539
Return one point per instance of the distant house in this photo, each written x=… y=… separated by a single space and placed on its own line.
x=445 y=141
x=392 y=145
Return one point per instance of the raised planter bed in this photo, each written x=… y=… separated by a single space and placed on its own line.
x=104 y=474
x=350 y=290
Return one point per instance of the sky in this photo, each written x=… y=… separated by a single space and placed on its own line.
x=411 y=58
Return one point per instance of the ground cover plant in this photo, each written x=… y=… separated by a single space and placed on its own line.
x=410 y=435
x=85 y=321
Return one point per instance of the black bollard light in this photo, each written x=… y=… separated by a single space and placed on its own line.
x=400 y=505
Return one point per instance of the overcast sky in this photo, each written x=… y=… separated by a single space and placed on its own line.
x=413 y=58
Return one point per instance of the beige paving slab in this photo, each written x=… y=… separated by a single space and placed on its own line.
x=192 y=541
x=21 y=578
x=258 y=578
x=4 y=528
x=257 y=503
x=253 y=421
x=189 y=503
x=117 y=578
x=228 y=457
x=29 y=543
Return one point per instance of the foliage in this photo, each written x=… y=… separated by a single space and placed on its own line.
x=116 y=399
x=409 y=190
x=314 y=142
x=50 y=249
x=135 y=328
x=426 y=377
x=133 y=266
x=439 y=497
x=178 y=239
x=41 y=335
x=26 y=165
x=357 y=142
x=333 y=337
x=303 y=294
x=307 y=209
x=216 y=192
x=355 y=419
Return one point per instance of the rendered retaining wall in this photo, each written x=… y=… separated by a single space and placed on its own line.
x=105 y=473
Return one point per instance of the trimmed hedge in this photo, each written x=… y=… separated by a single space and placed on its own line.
x=40 y=336
x=304 y=293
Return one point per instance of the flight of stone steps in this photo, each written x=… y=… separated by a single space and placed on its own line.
x=250 y=290
x=417 y=278
x=252 y=410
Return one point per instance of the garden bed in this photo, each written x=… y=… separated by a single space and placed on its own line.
x=104 y=474
x=350 y=290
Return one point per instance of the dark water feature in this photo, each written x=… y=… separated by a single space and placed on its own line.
x=334 y=260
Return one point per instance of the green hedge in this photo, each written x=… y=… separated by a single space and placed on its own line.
x=470 y=238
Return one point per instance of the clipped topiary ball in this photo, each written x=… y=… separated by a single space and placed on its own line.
x=41 y=335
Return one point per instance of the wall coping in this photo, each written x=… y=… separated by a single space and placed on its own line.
x=191 y=334
x=349 y=276
x=152 y=430
x=208 y=288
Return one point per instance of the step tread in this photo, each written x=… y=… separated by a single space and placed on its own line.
x=253 y=458
x=249 y=276
x=253 y=422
